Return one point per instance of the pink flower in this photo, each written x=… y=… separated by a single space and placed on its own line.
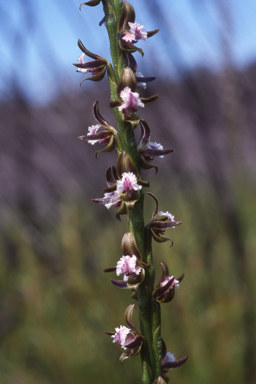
x=97 y=67
x=128 y=266
x=119 y=193
x=131 y=100
x=175 y=283
x=120 y=335
x=138 y=31
x=169 y=215
x=128 y=37
x=127 y=184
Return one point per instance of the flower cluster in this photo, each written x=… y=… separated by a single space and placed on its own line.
x=135 y=269
x=129 y=338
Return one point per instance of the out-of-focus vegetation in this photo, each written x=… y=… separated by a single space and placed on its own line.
x=54 y=310
x=55 y=301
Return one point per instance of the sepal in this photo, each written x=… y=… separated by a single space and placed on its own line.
x=91 y=3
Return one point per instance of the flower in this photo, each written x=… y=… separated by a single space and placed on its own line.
x=105 y=137
x=131 y=265
x=127 y=98
x=138 y=31
x=120 y=335
x=147 y=149
x=164 y=291
x=127 y=184
x=158 y=226
x=97 y=67
x=128 y=266
x=132 y=64
x=133 y=32
x=129 y=338
x=174 y=284
x=122 y=189
x=168 y=215
x=155 y=146
x=130 y=101
x=91 y=131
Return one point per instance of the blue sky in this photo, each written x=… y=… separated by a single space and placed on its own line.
x=38 y=45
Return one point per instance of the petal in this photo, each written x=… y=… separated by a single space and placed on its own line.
x=91 y=64
x=159 y=224
x=108 y=200
x=156 y=152
x=144 y=79
x=97 y=136
x=174 y=364
x=119 y=283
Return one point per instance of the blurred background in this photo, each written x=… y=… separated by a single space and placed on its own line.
x=55 y=302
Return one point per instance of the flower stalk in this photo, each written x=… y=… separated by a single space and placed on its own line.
x=125 y=188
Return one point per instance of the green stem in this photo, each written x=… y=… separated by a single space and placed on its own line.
x=149 y=309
